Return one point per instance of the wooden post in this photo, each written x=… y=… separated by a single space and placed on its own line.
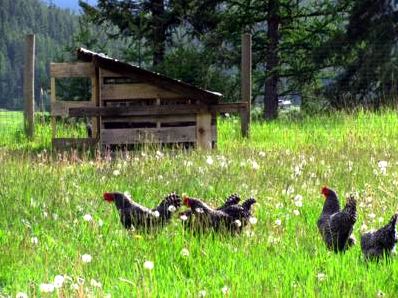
x=95 y=101
x=53 y=118
x=203 y=131
x=246 y=82
x=29 y=85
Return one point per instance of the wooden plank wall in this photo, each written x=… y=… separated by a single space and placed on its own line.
x=118 y=91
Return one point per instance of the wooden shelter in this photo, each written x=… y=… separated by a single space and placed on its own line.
x=130 y=105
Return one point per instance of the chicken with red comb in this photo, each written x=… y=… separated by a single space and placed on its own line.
x=336 y=225
x=134 y=215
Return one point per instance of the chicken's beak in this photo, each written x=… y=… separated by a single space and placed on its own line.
x=108 y=197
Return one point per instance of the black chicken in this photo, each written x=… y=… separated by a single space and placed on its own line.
x=334 y=225
x=230 y=216
x=137 y=216
x=381 y=242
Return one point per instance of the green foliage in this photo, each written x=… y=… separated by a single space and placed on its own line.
x=53 y=28
x=46 y=196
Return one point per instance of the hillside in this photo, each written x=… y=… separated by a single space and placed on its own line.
x=53 y=27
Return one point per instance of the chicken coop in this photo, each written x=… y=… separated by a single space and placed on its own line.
x=130 y=105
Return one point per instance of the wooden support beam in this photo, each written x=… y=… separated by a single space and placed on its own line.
x=29 y=85
x=53 y=100
x=61 y=107
x=95 y=102
x=203 y=131
x=68 y=143
x=72 y=70
x=156 y=110
x=246 y=82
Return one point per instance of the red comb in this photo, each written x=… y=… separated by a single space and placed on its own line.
x=108 y=197
x=185 y=201
x=325 y=191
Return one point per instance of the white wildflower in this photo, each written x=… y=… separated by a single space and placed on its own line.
x=59 y=281
x=209 y=160
x=238 y=223
x=100 y=222
x=255 y=165
x=298 y=204
x=261 y=154
x=227 y=115
x=296 y=212
x=253 y=220
x=202 y=293
x=116 y=173
x=372 y=215
x=298 y=198
x=47 y=288
x=55 y=216
x=172 y=208
x=159 y=154
x=34 y=240
x=86 y=258
x=224 y=290
x=380 y=293
x=21 y=295
x=95 y=284
x=382 y=164
x=321 y=276
x=74 y=286
x=364 y=228
x=183 y=217
x=278 y=222
x=148 y=265
x=184 y=252
x=87 y=217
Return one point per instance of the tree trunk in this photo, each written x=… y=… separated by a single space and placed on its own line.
x=272 y=61
x=159 y=32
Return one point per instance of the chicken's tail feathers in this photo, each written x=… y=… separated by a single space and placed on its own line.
x=232 y=199
x=173 y=199
x=351 y=208
x=393 y=220
x=248 y=203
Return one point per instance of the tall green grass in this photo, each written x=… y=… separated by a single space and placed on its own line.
x=46 y=196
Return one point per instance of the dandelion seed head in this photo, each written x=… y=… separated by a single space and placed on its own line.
x=253 y=220
x=47 y=288
x=184 y=252
x=86 y=258
x=149 y=265
x=87 y=217
x=59 y=281
x=238 y=223
x=224 y=290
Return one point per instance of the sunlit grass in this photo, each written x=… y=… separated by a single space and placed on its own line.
x=47 y=196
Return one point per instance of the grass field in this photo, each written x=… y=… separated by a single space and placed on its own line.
x=44 y=200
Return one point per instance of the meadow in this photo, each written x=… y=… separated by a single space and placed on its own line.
x=56 y=230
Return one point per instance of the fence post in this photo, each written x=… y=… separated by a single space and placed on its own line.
x=29 y=84
x=246 y=82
